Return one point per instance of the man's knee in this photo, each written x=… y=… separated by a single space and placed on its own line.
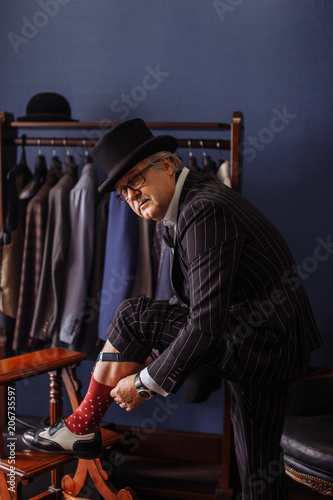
x=129 y=312
x=129 y=307
x=126 y=320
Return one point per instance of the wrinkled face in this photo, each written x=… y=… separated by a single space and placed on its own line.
x=151 y=201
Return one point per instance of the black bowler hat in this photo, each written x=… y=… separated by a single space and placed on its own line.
x=126 y=145
x=47 y=107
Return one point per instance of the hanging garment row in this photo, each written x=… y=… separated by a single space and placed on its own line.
x=69 y=257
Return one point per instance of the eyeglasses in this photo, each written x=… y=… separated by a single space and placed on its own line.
x=135 y=183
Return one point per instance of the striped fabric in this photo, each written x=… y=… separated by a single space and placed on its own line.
x=257 y=415
x=249 y=318
x=240 y=311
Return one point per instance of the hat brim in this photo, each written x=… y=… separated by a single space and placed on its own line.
x=45 y=118
x=150 y=147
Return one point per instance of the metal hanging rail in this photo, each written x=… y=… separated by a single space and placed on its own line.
x=106 y=124
x=68 y=141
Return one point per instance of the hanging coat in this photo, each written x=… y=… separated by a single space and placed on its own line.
x=53 y=267
x=121 y=257
x=35 y=230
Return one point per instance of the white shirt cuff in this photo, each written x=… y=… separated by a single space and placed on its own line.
x=151 y=384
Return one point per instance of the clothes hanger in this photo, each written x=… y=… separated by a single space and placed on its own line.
x=208 y=164
x=30 y=189
x=10 y=198
x=17 y=170
x=69 y=160
x=87 y=157
x=223 y=171
x=55 y=162
x=192 y=161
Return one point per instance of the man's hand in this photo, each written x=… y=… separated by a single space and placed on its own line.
x=126 y=395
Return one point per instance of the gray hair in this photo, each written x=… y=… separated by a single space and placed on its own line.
x=162 y=155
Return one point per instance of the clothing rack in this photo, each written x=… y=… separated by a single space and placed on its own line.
x=9 y=137
x=9 y=140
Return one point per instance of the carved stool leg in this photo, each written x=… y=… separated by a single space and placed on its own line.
x=10 y=491
x=73 y=484
x=67 y=496
x=55 y=413
x=4 y=493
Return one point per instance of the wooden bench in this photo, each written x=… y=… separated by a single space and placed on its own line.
x=18 y=468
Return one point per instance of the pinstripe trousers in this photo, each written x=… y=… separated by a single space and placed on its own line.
x=257 y=416
x=257 y=413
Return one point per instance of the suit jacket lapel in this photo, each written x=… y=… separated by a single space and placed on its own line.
x=166 y=234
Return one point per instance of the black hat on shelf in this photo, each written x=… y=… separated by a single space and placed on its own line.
x=47 y=107
x=126 y=145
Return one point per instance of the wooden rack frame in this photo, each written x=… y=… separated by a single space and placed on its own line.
x=9 y=138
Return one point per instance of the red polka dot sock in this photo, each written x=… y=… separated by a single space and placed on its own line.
x=88 y=416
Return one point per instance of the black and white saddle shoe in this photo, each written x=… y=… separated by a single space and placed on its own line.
x=58 y=439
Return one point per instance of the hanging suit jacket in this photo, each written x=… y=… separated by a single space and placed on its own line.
x=79 y=258
x=249 y=318
x=223 y=173
x=57 y=237
x=90 y=343
x=121 y=258
x=35 y=229
x=11 y=248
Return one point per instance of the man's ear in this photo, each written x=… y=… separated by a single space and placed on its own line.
x=168 y=165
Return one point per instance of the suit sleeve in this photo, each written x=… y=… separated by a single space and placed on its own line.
x=208 y=247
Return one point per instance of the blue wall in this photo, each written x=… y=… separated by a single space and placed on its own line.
x=198 y=61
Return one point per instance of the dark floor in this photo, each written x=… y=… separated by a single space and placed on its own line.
x=299 y=492
x=296 y=490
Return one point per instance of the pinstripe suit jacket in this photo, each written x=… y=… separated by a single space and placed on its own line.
x=249 y=317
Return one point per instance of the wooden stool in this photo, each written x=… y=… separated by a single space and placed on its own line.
x=21 y=467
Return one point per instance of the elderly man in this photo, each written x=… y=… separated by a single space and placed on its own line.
x=239 y=310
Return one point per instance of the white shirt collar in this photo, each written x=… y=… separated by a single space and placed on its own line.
x=170 y=218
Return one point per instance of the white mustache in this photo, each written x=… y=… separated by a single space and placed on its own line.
x=138 y=202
